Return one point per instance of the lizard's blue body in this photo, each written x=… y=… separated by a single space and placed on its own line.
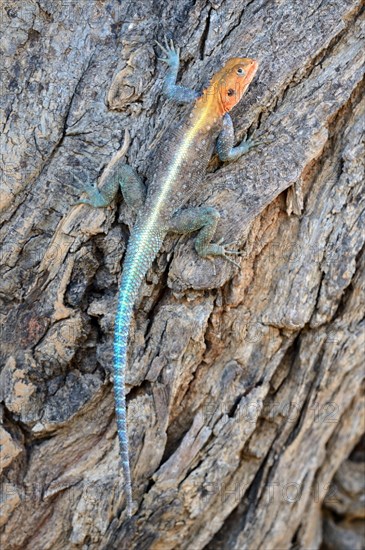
x=178 y=166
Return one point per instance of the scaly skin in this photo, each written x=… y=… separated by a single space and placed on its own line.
x=177 y=168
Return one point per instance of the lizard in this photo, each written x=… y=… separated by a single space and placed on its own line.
x=175 y=171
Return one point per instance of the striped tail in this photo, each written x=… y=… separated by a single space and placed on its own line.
x=142 y=248
x=121 y=331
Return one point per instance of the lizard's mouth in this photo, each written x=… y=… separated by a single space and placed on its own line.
x=252 y=70
x=250 y=74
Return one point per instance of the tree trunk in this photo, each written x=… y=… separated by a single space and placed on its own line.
x=244 y=387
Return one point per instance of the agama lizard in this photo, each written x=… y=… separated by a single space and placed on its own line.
x=177 y=168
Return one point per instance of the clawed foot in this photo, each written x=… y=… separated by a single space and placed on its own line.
x=94 y=197
x=250 y=143
x=226 y=251
x=217 y=249
x=172 y=53
x=100 y=198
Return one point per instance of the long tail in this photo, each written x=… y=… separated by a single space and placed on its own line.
x=121 y=331
x=142 y=249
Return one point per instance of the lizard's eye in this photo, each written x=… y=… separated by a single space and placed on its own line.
x=240 y=71
x=231 y=92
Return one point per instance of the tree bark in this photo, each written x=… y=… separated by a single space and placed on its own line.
x=245 y=388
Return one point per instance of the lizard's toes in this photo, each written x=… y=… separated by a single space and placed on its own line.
x=162 y=47
x=230 y=260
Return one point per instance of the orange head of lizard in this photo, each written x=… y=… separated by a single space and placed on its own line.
x=230 y=83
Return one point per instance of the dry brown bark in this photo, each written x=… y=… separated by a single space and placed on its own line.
x=245 y=388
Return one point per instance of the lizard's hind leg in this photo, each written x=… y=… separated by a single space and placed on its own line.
x=205 y=219
x=116 y=174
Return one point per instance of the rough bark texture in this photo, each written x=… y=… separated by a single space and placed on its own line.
x=245 y=388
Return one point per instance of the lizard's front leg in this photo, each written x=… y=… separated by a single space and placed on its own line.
x=205 y=219
x=225 y=148
x=181 y=94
